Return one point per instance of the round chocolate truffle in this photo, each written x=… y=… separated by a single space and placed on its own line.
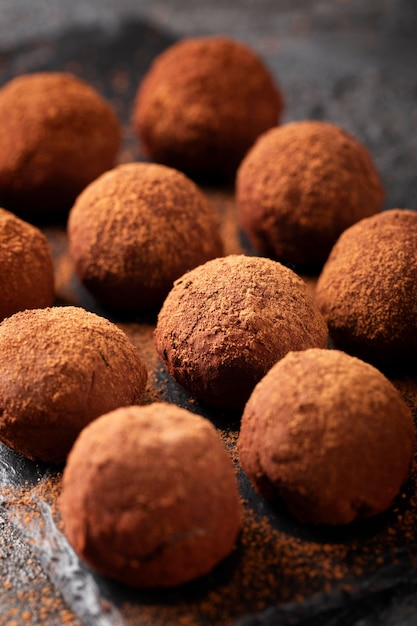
x=26 y=267
x=60 y=368
x=300 y=186
x=136 y=229
x=57 y=135
x=202 y=104
x=149 y=496
x=367 y=290
x=225 y=323
x=327 y=434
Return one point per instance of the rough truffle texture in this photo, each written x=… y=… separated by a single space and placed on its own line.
x=60 y=368
x=367 y=290
x=203 y=103
x=329 y=435
x=300 y=186
x=136 y=229
x=149 y=496
x=57 y=135
x=225 y=323
x=26 y=267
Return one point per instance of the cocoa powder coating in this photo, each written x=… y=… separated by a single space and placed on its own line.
x=149 y=496
x=225 y=323
x=136 y=229
x=329 y=435
x=300 y=186
x=26 y=267
x=367 y=290
x=203 y=103
x=60 y=368
x=57 y=135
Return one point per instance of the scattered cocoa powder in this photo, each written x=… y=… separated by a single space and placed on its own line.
x=277 y=563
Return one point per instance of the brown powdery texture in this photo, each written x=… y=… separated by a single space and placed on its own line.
x=329 y=434
x=136 y=229
x=149 y=496
x=367 y=290
x=300 y=186
x=57 y=135
x=225 y=323
x=27 y=596
x=203 y=103
x=61 y=368
x=269 y=568
x=26 y=266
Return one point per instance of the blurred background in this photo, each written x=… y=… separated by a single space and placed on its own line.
x=351 y=62
x=256 y=20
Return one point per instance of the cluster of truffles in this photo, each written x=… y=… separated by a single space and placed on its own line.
x=149 y=493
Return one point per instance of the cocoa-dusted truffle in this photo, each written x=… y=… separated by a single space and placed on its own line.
x=202 y=104
x=329 y=435
x=149 y=496
x=225 y=323
x=60 y=368
x=300 y=186
x=56 y=135
x=136 y=229
x=26 y=267
x=367 y=290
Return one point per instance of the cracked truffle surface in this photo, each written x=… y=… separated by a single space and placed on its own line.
x=225 y=323
x=149 y=496
x=300 y=186
x=136 y=229
x=203 y=103
x=57 y=135
x=367 y=290
x=60 y=368
x=26 y=267
x=329 y=435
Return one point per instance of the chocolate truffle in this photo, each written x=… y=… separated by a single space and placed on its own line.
x=225 y=323
x=367 y=290
x=202 y=104
x=136 y=229
x=327 y=434
x=60 y=368
x=300 y=186
x=26 y=267
x=56 y=135
x=149 y=496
